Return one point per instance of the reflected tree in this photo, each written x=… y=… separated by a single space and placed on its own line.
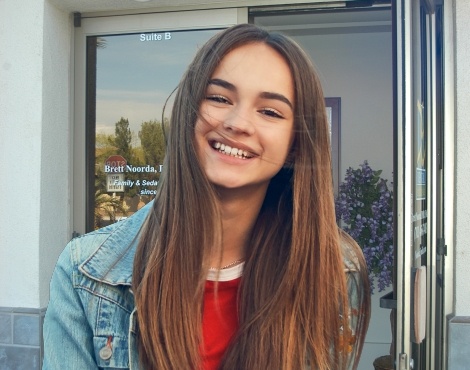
x=152 y=142
x=123 y=139
x=107 y=206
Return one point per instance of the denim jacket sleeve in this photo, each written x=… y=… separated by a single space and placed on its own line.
x=68 y=337
x=90 y=321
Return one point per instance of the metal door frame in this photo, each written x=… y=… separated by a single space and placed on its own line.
x=439 y=181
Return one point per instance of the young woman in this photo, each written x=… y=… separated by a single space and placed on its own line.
x=238 y=262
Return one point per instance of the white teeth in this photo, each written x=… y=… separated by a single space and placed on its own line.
x=228 y=150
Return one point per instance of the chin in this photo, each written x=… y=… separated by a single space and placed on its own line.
x=224 y=184
x=246 y=188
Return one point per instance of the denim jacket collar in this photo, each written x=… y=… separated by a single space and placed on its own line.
x=112 y=262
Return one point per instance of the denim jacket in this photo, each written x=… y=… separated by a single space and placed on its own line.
x=90 y=321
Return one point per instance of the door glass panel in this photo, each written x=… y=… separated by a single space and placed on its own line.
x=343 y=44
x=420 y=185
x=129 y=78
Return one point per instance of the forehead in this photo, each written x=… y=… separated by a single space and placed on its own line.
x=245 y=53
x=256 y=65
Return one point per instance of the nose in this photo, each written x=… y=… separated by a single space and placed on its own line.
x=239 y=122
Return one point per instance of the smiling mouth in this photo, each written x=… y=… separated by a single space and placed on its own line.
x=231 y=151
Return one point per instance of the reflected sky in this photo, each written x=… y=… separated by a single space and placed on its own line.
x=135 y=77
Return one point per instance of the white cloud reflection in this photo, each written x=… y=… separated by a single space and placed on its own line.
x=134 y=78
x=136 y=106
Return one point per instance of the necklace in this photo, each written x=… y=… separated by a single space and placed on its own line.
x=231 y=264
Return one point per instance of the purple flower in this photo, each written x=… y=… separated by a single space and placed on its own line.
x=364 y=209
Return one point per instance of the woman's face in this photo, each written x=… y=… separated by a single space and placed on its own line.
x=245 y=128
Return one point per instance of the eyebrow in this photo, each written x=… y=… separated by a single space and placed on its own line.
x=265 y=94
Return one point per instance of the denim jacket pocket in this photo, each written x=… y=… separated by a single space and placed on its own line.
x=111 y=352
x=108 y=309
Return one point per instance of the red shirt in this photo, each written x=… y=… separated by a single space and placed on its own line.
x=220 y=316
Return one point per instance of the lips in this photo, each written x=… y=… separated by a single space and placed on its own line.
x=231 y=151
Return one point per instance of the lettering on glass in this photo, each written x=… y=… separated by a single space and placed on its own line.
x=420 y=229
x=154 y=36
x=116 y=168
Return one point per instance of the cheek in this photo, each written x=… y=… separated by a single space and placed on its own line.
x=287 y=138
x=198 y=141
x=200 y=130
x=289 y=143
x=290 y=159
x=203 y=124
x=206 y=114
x=212 y=116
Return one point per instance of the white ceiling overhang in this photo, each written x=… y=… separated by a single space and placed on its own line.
x=132 y=6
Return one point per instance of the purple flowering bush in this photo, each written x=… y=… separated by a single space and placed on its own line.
x=364 y=209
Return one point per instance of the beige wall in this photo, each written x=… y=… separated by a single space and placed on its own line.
x=358 y=68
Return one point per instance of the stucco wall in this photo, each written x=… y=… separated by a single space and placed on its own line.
x=34 y=124
x=56 y=144
x=462 y=197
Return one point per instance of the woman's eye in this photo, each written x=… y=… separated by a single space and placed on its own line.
x=271 y=113
x=218 y=99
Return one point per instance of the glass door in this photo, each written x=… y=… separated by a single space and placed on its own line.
x=351 y=48
x=132 y=75
x=420 y=250
x=127 y=69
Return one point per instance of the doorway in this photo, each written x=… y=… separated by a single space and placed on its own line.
x=383 y=76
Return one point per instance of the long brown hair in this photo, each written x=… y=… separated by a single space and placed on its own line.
x=293 y=298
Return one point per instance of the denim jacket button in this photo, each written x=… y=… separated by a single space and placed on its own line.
x=106 y=353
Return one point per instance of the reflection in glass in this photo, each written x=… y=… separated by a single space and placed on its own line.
x=129 y=78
